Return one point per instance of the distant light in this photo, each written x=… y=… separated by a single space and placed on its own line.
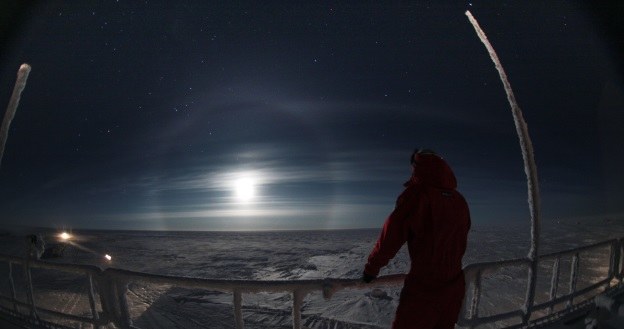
x=65 y=236
x=245 y=189
x=108 y=257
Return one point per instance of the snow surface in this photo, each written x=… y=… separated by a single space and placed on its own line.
x=286 y=255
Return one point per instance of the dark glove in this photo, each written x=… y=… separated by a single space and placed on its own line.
x=367 y=278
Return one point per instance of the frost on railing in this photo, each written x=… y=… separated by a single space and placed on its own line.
x=530 y=168
x=112 y=289
x=556 y=304
x=20 y=84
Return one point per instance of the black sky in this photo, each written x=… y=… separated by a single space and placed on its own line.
x=143 y=115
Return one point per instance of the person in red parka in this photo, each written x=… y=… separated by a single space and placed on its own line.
x=433 y=217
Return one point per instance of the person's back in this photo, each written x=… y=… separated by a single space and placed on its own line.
x=439 y=231
x=434 y=220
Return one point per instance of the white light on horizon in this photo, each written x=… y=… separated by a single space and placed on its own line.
x=108 y=257
x=65 y=236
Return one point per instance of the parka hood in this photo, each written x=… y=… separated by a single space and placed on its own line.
x=432 y=170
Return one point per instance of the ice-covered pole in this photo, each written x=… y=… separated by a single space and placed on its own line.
x=20 y=84
x=530 y=169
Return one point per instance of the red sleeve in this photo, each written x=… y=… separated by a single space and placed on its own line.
x=393 y=234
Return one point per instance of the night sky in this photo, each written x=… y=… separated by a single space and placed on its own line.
x=194 y=115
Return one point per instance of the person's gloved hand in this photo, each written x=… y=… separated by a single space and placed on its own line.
x=367 y=278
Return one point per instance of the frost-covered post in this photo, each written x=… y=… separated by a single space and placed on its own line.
x=20 y=84
x=107 y=297
x=620 y=263
x=530 y=168
x=29 y=288
x=476 y=296
x=113 y=299
x=94 y=312
x=12 y=286
x=238 y=309
x=554 y=283
x=298 y=296
x=573 y=278
x=614 y=264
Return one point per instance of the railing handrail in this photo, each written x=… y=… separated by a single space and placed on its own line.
x=486 y=267
x=36 y=263
x=113 y=286
x=580 y=248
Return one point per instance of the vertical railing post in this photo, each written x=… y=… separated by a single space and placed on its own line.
x=12 y=286
x=94 y=312
x=238 y=309
x=476 y=296
x=554 y=283
x=107 y=299
x=121 y=289
x=573 y=277
x=613 y=262
x=29 y=290
x=620 y=267
x=530 y=294
x=614 y=265
x=296 y=311
x=113 y=299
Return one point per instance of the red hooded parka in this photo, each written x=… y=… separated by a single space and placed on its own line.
x=434 y=220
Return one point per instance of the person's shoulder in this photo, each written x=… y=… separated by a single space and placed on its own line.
x=409 y=194
x=416 y=188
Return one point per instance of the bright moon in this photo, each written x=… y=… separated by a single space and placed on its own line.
x=245 y=189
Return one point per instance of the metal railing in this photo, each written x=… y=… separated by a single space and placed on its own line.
x=475 y=273
x=112 y=289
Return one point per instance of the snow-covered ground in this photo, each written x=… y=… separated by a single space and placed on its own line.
x=283 y=255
